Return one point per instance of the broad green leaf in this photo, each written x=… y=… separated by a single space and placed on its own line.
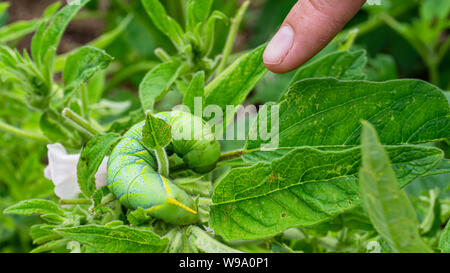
x=195 y=90
x=205 y=243
x=234 y=84
x=120 y=239
x=327 y=112
x=444 y=241
x=157 y=82
x=82 y=64
x=344 y=65
x=49 y=41
x=156 y=132
x=91 y=157
x=197 y=12
x=389 y=208
x=304 y=187
x=163 y=22
x=34 y=206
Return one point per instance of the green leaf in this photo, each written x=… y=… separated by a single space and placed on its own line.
x=34 y=206
x=156 y=132
x=120 y=239
x=17 y=30
x=49 y=41
x=163 y=22
x=344 y=65
x=327 y=112
x=82 y=64
x=435 y=9
x=205 y=243
x=432 y=222
x=388 y=206
x=157 y=82
x=234 y=84
x=444 y=241
x=43 y=233
x=196 y=89
x=197 y=12
x=133 y=118
x=91 y=157
x=3 y=7
x=304 y=187
x=52 y=129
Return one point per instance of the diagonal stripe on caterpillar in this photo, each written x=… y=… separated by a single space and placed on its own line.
x=134 y=179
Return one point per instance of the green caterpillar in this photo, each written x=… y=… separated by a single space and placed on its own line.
x=133 y=169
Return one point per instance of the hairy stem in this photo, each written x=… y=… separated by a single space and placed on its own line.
x=236 y=22
x=20 y=132
x=75 y=202
x=80 y=121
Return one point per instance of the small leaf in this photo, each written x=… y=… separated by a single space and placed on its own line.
x=205 y=243
x=34 y=206
x=3 y=7
x=157 y=82
x=197 y=12
x=444 y=241
x=82 y=64
x=120 y=239
x=344 y=65
x=91 y=157
x=156 y=132
x=163 y=22
x=52 y=35
x=234 y=84
x=17 y=30
x=388 y=206
x=43 y=233
x=195 y=90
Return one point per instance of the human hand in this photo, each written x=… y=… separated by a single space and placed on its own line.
x=308 y=28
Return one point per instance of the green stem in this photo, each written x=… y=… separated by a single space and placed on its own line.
x=19 y=132
x=236 y=22
x=75 y=202
x=162 y=161
x=80 y=121
x=231 y=155
x=84 y=101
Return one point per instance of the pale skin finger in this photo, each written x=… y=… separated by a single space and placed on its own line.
x=308 y=28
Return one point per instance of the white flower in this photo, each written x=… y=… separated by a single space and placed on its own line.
x=62 y=170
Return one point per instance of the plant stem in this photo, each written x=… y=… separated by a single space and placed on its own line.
x=231 y=155
x=80 y=121
x=163 y=162
x=236 y=22
x=19 y=132
x=75 y=202
x=84 y=101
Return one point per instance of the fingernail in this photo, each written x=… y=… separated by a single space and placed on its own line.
x=279 y=46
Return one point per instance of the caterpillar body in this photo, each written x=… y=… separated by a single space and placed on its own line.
x=133 y=169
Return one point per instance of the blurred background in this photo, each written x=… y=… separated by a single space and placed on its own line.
x=392 y=53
